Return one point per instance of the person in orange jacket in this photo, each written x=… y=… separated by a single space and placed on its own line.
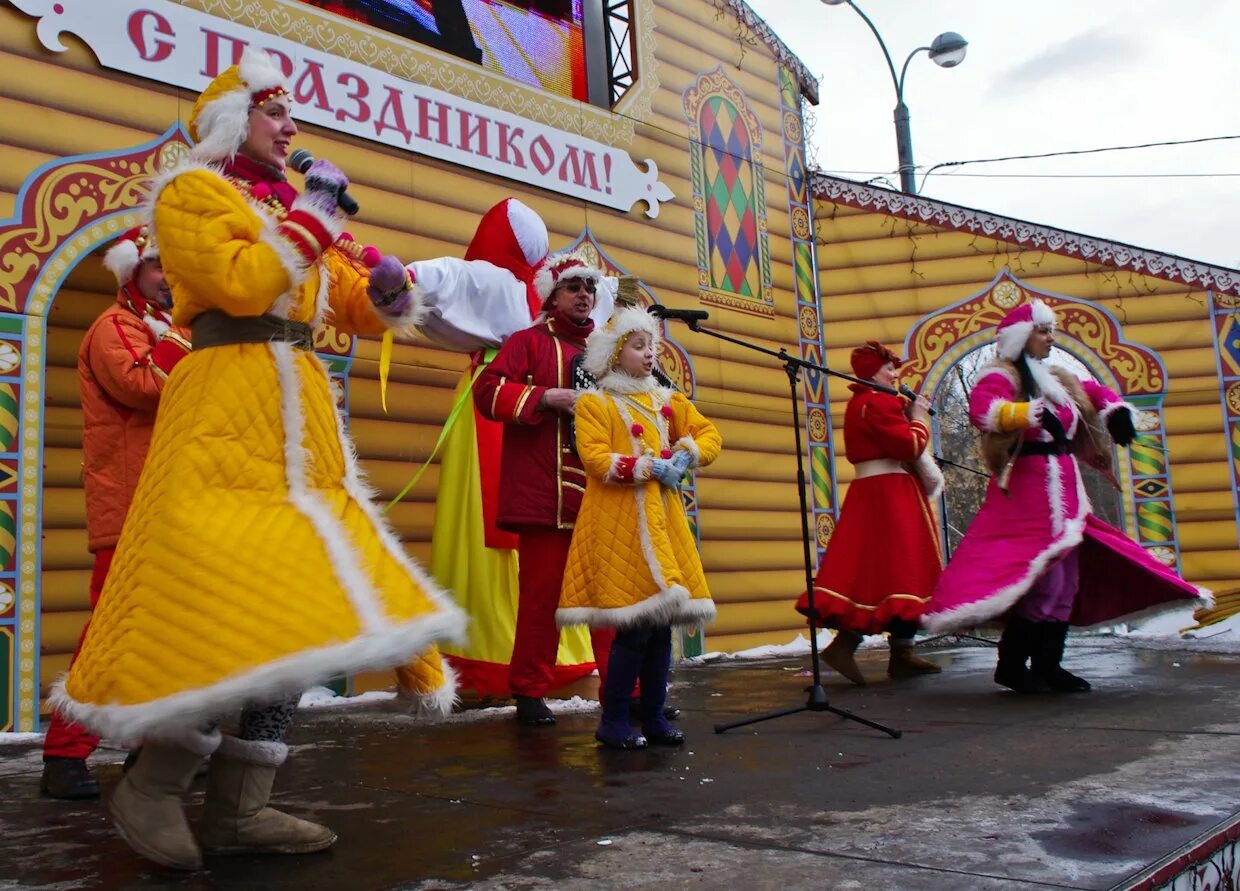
x=125 y=358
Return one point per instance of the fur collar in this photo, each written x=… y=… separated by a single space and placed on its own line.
x=622 y=384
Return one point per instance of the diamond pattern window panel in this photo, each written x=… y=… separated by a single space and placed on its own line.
x=734 y=267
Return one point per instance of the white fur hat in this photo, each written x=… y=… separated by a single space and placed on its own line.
x=130 y=249
x=220 y=120
x=604 y=345
x=1018 y=324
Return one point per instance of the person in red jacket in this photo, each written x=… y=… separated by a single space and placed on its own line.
x=530 y=388
x=125 y=357
x=883 y=559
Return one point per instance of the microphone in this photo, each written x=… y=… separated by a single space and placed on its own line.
x=907 y=392
x=690 y=316
x=301 y=160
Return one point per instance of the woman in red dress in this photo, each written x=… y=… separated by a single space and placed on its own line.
x=884 y=556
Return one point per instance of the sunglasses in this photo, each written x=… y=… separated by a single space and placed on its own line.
x=573 y=285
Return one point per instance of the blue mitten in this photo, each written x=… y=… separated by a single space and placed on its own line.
x=683 y=459
x=666 y=472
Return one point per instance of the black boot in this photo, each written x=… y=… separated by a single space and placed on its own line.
x=1048 y=653
x=532 y=710
x=1015 y=647
x=635 y=710
x=68 y=779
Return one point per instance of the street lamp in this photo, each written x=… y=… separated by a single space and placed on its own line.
x=947 y=51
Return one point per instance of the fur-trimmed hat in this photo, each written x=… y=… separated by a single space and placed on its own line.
x=562 y=266
x=867 y=360
x=1018 y=324
x=130 y=249
x=220 y=120
x=604 y=345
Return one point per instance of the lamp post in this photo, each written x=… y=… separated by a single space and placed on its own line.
x=947 y=51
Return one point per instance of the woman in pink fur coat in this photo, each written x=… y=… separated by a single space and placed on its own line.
x=1035 y=551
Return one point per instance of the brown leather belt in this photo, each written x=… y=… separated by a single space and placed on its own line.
x=217 y=328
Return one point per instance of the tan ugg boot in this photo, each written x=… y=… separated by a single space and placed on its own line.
x=904 y=663
x=839 y=655
x=146 y=805
x=236 y=819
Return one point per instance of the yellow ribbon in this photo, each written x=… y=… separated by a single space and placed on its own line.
x=385 y=367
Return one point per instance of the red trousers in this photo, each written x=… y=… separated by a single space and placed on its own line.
x=541 y=556
x=65 y=740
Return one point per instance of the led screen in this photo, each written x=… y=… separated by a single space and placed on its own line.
x=535 y=42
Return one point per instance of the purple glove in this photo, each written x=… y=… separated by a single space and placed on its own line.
x=325 y=183
x=388 y=289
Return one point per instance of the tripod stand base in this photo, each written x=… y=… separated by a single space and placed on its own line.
x=817 y=702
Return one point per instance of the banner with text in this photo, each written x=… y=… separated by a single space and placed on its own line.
x=186 y=48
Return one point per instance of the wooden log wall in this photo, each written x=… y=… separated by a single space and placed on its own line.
x=880 y=274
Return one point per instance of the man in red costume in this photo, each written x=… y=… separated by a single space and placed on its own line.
x=125 y=357
x=529 y=387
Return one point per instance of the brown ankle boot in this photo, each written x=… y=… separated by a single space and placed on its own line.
x=235 y=817
x=839 y=655
x=146 y=805
x=904 y=663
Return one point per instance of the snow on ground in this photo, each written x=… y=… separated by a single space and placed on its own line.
x=322 y=697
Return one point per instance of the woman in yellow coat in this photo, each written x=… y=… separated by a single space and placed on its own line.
x=253 y=563
x=633 y=563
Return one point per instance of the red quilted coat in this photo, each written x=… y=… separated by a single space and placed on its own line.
x=541 y=477
x=124 y=359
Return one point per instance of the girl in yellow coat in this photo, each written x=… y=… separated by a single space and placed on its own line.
x=253 y=563
x=633 y=563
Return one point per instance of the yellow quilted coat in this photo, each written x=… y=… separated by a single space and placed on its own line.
x=633 y=558
x=252 y=564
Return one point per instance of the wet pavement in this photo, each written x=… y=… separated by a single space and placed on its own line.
x=984 y=790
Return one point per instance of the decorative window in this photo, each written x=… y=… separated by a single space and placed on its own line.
x=729 y=197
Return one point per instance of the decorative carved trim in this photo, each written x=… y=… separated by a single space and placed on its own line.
x=807 y=83
x=1044 y=238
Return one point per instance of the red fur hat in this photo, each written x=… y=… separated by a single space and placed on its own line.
x=130 y=249
x=868 y=359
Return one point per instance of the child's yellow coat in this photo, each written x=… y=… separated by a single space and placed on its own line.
x=633 y=557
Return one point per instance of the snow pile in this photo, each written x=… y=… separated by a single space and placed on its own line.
x=322 y=697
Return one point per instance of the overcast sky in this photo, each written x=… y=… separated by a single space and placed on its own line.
x=1042 y=77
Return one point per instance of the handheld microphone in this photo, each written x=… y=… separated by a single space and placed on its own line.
x=692 y=316
x=301 y=160
x=907 y=392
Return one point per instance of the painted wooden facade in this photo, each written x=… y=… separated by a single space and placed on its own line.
x=716 y=104
x=1162 y=330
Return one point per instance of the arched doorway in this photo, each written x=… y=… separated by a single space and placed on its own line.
x=958 y=442
x=1092 y=337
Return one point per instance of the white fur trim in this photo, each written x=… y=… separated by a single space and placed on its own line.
x=268 y=753
x=1010 y=341
x=439 y=703
x=411 y=317
x=1050 y=385
x=259 y=71
x=158 y=327
x=670 y=606
x=1054 y=493
x=619 y=382
x=332 y=222
x=544 y=281
x=529 y=230
x=689 y=444
x=192 y=739
x=345 y=561
x=394 y=645
x=970 y=614
x=223 y=124
x=122 y=260
x=927 y=471
x=1042 y=314
x=1112 y=407
x=604 y=342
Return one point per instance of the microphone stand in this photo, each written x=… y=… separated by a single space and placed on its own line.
x=817 y=700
